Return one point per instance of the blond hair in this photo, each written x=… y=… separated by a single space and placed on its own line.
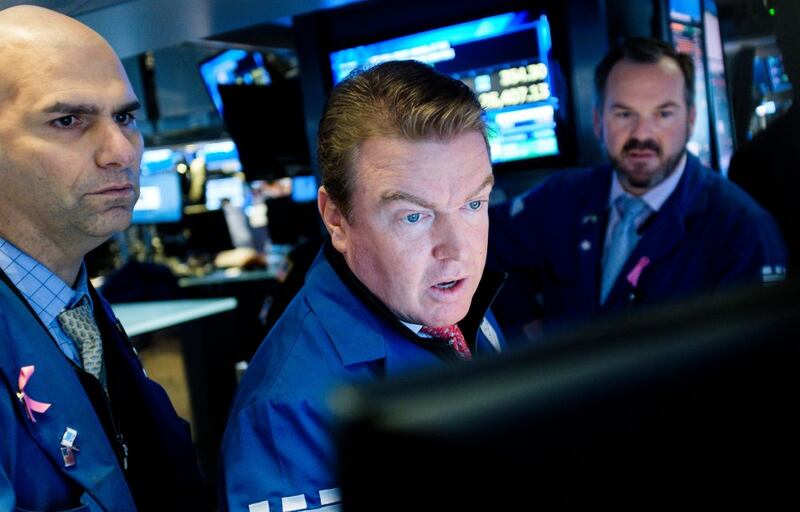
x=403 y=99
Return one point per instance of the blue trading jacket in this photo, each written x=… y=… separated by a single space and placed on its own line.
x=708 y=235
x=162 y=471
x=278 y=453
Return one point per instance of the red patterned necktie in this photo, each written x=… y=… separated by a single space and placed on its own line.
x=454 y=338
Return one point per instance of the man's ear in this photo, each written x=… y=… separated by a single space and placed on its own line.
x=691 y=119
x=334 y=220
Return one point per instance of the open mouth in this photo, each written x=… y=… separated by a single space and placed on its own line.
x=446 y=285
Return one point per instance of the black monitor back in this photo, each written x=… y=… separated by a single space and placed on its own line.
x=207 y=232
x=268 y=127
x=689 y=405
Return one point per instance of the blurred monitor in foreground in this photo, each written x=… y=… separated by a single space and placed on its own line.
x=691 y=404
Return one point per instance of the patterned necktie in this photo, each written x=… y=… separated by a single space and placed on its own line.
x=623 y=239
x=79 y=325
x=454 y=338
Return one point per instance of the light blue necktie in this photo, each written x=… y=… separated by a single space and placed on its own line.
x=623 y=240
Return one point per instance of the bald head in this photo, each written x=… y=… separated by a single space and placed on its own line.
x=33 y=36
x=28 y=23
x=69 y=143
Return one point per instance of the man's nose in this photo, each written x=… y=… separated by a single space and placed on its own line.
x=642 y=128
x=450 y=237
x=118 y=147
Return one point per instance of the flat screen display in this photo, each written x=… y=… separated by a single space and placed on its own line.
x=505 y=59
x=222 y=156
x=230 y=188
x=723 y=120
x=160 y=196
x=688 y=39
x=233 y=67
x=304 y=189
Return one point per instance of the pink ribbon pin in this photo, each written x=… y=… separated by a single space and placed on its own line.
x=636 y=273
x=31 y=405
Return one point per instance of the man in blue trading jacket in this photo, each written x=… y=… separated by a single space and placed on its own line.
x=82 y=427
x=652 y=226
x=400 y=285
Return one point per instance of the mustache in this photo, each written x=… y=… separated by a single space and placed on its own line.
x=636 y=144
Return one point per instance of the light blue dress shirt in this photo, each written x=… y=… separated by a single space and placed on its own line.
x=47 y=294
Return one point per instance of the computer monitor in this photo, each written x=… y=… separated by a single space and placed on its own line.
x=231 y=188
x=691 y=404
x=222 y=156
x=160 y=195
x=268 y=126
x=207 y=233
x=304 y=189
x=505 y=58
x=233 y=66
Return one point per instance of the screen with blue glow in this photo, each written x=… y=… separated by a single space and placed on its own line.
x=233 y=67
x=686 y=11
x=304 y=189
x=506 y=61
x=222 y=156
x=160 y=196
x=231 y=188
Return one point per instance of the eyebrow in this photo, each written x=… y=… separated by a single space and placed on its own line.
x=61 y=107
x=623 y=106
x=396 y=195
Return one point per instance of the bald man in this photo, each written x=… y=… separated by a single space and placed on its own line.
x=82 y=427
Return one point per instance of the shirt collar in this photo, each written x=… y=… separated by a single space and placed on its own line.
x=656 y=196
x=415 y=328
x=44 y=290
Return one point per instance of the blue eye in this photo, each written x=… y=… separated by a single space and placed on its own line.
x=475 y=205
x=412 y=218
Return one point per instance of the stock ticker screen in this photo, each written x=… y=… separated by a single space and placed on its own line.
x=506 y=61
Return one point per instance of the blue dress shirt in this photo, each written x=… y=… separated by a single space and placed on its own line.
x=46 y=293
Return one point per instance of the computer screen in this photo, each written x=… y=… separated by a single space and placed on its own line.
x=233 y=66
x=160 y=196
x=688 y=39
x=222 y=156
x=721 y=110
x=231 y=188
x=304 y=189
x=505 y=58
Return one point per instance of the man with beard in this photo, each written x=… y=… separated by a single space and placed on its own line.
x=654 y=225
x=83 y=427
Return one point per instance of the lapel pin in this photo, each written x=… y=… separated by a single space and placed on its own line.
x=586 y=245
x=68 y=447
x=590 y=219
x=636 y=273
x=68 y=454
x=30 y=404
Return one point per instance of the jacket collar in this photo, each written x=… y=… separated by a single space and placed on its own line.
x=332 y=286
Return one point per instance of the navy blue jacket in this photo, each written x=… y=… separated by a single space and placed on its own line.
x=278 y=451
x=708 y=235
x=162 y=472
